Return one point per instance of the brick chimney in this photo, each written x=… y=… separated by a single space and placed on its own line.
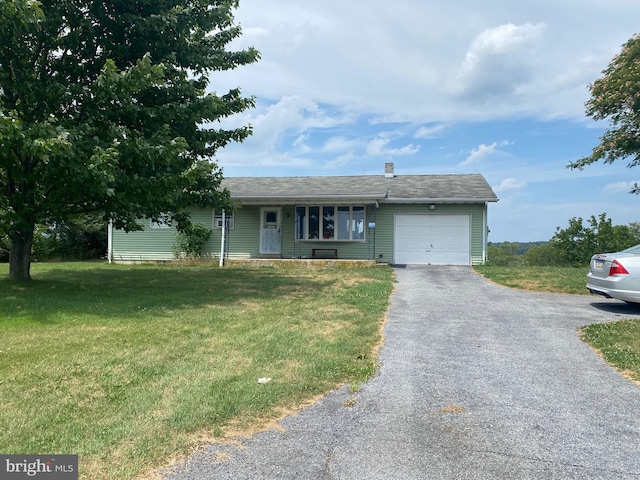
x=388 y=170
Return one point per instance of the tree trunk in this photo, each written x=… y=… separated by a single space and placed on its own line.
x=20 y=256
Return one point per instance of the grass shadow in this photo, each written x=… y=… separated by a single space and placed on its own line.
x=137 y=291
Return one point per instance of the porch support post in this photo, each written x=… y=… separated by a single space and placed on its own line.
x=110 y=241
x=485 y=235
x=222 y=237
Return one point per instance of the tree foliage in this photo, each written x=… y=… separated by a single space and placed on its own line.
x=616 y=97
x=505 y=254
x=190 y=240
x=80 y=238
x=106 y=107
x=572 y=246
x=634 y=228
x=545 y=255
x=578 y=242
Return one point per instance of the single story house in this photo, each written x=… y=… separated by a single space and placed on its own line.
x=398 y=219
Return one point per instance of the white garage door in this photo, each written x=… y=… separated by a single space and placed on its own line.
x=432 y=240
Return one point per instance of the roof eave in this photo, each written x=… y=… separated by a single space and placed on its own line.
x=438 y=200
x=306 y=200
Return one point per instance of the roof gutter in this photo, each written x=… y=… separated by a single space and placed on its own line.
x=438 y=200
x=297 y=200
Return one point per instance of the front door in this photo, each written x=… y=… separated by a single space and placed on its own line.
x=270 y=243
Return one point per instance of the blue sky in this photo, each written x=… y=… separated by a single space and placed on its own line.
x=495 y=87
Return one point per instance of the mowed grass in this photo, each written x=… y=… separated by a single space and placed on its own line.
x=540 y=279
x=617 y=342
x=128 y=366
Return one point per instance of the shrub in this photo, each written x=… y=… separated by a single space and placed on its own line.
x=506 y=255
x=190 y=240
x=546 y=255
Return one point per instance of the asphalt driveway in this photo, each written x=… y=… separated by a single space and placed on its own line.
x=477 y=381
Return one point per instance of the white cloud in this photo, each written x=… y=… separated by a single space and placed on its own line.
x=300 y=144
x=292 y=115
x=254 y=33
x=401 y=61
x=482 y=152
x=343 y=88
x=619 y=187
x=256 y=163
x=499 y=61
x=341 y=161
x=509 y=184
x=377 y=147
x=428 y=133
x=340 y=144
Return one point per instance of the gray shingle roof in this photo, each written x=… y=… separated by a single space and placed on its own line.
x=468 y=188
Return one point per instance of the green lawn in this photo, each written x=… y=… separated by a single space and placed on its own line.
x=617 y=342
x=541 y=279
x=130 y=365
x=127 y=366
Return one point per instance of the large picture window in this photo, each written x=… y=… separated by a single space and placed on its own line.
x=330 y=222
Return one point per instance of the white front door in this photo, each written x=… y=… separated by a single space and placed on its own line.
x=270 y=242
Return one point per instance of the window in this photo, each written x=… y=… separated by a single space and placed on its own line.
x=357 y=223
x=270 y=219
x=301 y=222
x=343 y=222
x=217 y=219
x=330 y=222
x=163 y=221
x=314 y=223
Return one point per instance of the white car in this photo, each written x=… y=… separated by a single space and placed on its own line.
x=616 y=275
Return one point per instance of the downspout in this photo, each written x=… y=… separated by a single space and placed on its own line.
x=296 y=233
x=110 y=241
x=222 y=238
x=485 y=234
x=375 y=211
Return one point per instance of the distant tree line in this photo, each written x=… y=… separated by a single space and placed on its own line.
x=83 y=237
x=570 y=247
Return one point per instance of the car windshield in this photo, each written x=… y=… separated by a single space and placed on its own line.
x=634 y=250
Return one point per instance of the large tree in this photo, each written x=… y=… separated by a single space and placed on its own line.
x=616 y=97
x=105 y=107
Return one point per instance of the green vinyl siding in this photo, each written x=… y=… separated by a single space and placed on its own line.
x=289 y=247
x=243 y=241
x=385 y=218
x=154 y=244
x=150 y=244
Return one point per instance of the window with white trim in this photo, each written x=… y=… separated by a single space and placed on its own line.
x=217 y=219
x=163 y=221
x=330 y=223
